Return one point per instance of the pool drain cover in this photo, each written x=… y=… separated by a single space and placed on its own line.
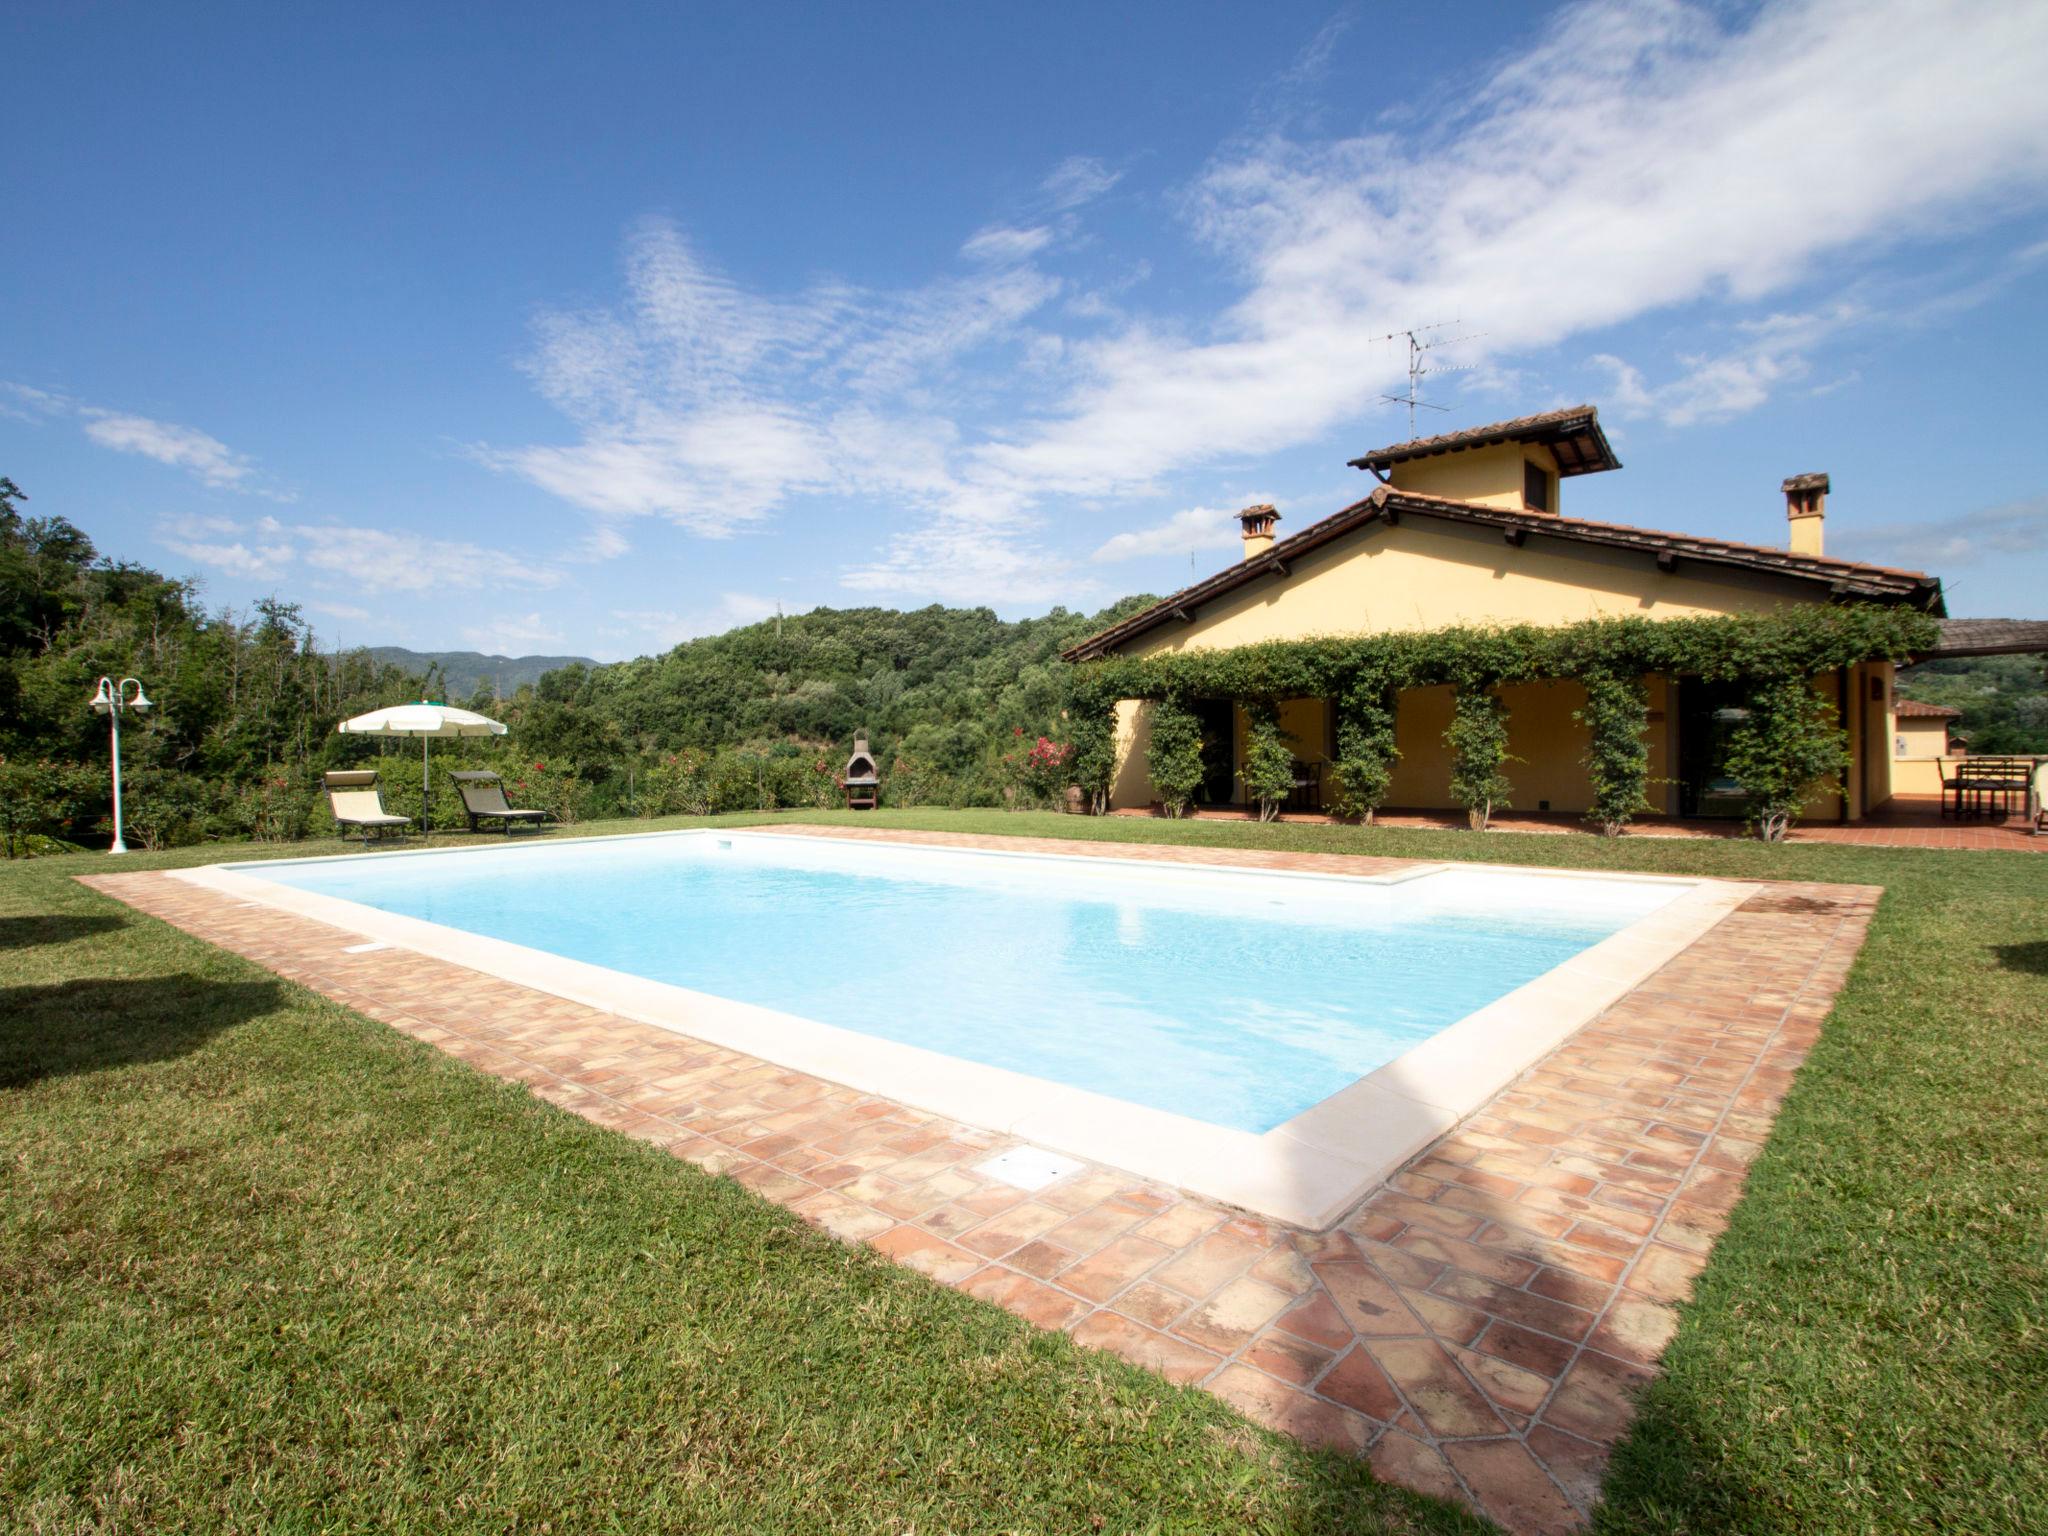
x=1028 y=1167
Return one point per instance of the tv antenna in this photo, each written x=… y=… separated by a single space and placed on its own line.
x=1418 y=367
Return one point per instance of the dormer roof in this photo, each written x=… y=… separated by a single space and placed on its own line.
x=1572 y=435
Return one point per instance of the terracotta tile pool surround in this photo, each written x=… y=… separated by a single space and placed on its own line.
x=1308 y=1170
x=1473 y=1326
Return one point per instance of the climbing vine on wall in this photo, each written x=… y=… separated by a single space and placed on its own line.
x=1616 y=716
x=1268 y=764
x=1175 y=756
x=1478 y=739
x=1759 y=651
x=1364 y=767
x=1789 y=743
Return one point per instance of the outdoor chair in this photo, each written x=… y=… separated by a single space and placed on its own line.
x=483 y=799
x=357 y=801
x=1994 y=786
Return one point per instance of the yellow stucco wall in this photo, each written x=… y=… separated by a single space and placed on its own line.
x=1490 y=476
x=1919 y=768
x=1424 y=574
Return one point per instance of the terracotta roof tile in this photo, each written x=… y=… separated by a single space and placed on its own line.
x=1843 y=578
x=1917 y=709
x=1573 y=434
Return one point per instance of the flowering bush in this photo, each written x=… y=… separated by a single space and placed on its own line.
x=676 y=785
x=1044 y=769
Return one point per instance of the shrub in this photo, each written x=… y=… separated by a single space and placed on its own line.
x=1093 y=733
x=38 y=799
x=1175 y=758
x=277 y=808
x=675 y=785
x=1268 y=763
x=1616 y=715
x=1478 y=739
x=162 y=808
x=1043 y=771
x=1364 y=768
x=1789 y=743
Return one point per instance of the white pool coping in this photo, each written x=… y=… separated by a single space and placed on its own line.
x=1308 y=1171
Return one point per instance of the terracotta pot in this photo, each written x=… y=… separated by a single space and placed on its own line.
x=1076 y=801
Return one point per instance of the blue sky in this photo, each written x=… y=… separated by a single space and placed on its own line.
x=586 y=329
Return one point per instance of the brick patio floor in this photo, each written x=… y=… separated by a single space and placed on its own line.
x=1474 y=1327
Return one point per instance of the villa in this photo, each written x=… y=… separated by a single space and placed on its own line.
x=1469 y=528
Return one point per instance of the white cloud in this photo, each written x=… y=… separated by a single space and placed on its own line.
x=198 y=453
x=514 y=635
x=185 y=448
x=1196 y=528
x=712 y=407
x=1641 y=155
x=250 y=551
x=2010 y=531
x=347 y=611
x=388 y=560
x=1076 y=180
x=1002 y=243
x=1770 y=352
x=662 y=630
x=374 y=559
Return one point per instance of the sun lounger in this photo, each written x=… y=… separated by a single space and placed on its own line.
x=483 y=799
x=357 y=802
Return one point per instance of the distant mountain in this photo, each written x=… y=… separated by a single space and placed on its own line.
x=466 y=671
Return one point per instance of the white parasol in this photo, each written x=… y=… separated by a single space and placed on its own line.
x=425 y=720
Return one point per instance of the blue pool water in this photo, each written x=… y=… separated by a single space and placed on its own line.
x=1233 y=997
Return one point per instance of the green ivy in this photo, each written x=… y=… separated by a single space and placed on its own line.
x=1364 y=768
x=1478 y=739
x=1616 y=715
x=1759 y=651
x=1175 y=756
x=1789 y=743
x=1268 y=764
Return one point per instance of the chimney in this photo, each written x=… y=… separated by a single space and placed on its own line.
x=1257 y=523
x=1806 y=503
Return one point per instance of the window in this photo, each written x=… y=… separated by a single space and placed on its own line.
x=1535 y=487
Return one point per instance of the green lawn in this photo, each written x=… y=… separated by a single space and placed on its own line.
x=268 y=1264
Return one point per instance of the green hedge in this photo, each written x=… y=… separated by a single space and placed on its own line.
x=1763 y=652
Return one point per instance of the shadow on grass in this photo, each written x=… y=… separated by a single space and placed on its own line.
x=1674 y=1471
x=2030 y=957
x=91 y=1025
x=57 y=928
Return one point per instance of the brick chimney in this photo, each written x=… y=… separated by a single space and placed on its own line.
x=1806 y=504
x=1257 y=523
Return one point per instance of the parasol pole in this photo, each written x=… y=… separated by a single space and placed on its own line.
x=426 y=786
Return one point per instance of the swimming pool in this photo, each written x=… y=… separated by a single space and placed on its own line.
x=1054 y=990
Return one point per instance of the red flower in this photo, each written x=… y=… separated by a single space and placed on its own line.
x=1020 y=730
x=540 y=767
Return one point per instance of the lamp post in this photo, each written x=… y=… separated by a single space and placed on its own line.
x=111 y=699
